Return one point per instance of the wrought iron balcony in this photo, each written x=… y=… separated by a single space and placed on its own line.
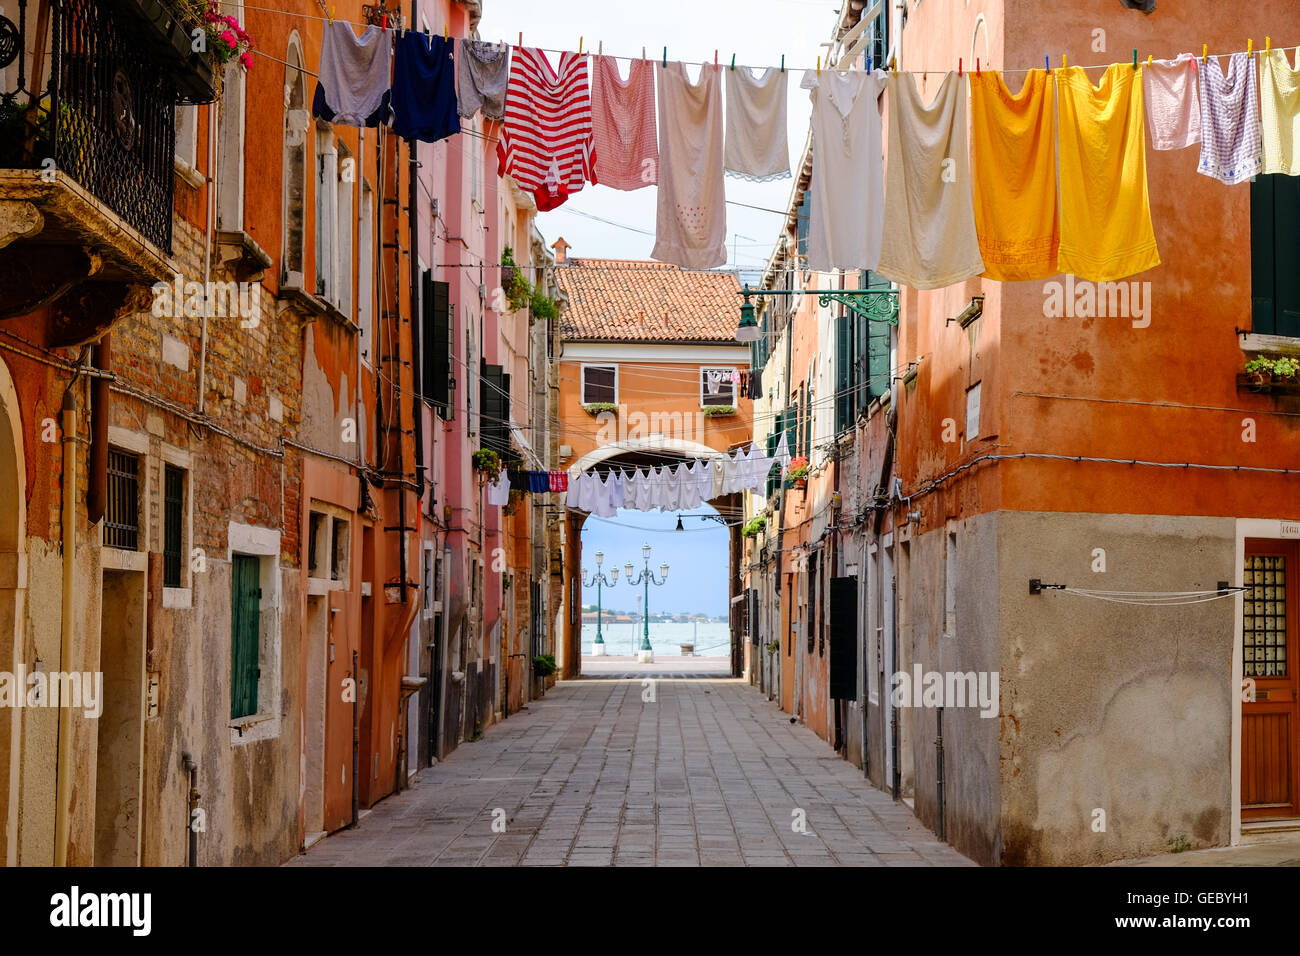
x=87 y=144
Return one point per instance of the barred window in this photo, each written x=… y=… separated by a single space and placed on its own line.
x=122 y=522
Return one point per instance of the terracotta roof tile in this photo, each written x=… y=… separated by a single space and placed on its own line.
x=629 y=300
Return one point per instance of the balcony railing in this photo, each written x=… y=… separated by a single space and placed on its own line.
x=116 y=69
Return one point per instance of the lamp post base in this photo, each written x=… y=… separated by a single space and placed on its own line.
x=645 y=657
x=598 y=650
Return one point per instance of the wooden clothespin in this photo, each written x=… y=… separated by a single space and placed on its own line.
x=521 y=40
x=893 y=64
x=977 y=66
x=819 y=66
x=1047 y=63
x=446 y=33
x=1149 y=58
x=331 y=16
x=733 y=62
x=782 y=62
x=1268 y=45
x=715 y=61
x=959 y=68
x=665 y=58
x=1205 y=53
x=579 y=46
x=1250 y=47
x=1065 y=61
x=600 y=48
x=1135 y=58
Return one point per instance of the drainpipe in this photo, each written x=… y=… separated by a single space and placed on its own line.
x=897 y=784
x=356 y=740
x=938 y=764
x=100 y=404
x=192 y=769
x=207 y=252
x=63 y=778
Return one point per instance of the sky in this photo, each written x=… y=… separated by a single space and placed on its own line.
x=758 y=32
x=696 y=556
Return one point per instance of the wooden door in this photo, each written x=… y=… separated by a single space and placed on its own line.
x=1270 y=770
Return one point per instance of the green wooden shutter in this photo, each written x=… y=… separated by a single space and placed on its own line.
x=874 y=347
x=845 y=404
x=802 y=214
x=437 y=344
x=1263 y=255
x=245 y=599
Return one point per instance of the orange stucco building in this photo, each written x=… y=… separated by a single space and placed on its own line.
x=646 y=356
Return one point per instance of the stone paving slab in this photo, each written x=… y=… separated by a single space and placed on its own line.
x=708 y=773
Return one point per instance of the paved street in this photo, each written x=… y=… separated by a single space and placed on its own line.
x=708 y=773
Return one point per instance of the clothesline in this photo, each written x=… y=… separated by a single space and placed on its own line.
x=721 y=64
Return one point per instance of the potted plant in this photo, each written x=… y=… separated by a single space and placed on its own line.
x=544 y=665
x=1264 y=370
x=797 y=471
x=514 y=286
x=719 y=411
x=542 y=306
x=487 y=462
x=754 y=526
x=595 y=408
x=224 y=36
x=772 y=647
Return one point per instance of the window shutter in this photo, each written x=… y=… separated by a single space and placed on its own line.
x=801 y=221
x=1286 y=254
x=244 y=626
x=845 y=398
x=436 y=302
x=494 y=399
x=1263 y=255
x=844 y=638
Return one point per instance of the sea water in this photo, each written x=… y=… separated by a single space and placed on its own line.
x=711 y=638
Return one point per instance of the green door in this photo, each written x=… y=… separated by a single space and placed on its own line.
x=245 y=597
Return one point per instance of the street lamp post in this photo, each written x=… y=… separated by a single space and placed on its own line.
x=646 y=655
x=598 y=646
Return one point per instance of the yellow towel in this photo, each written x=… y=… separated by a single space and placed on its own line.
x=1106 y=231
x=1014 y=140
x=1279 y=103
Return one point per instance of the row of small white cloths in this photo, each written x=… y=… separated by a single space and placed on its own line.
x=688 y=485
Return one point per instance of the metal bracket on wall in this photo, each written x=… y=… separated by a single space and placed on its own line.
x=1036 y=586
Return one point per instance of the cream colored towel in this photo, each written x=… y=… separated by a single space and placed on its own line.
x=690 y=214
x=1279 y=101
x=929 y=209
x=757 y=148
x=1173 y=103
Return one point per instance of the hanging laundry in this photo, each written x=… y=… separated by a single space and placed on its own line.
x=719 y=475
x=756 y=145
x=1106 y=231
x=634 y=489
x=355 y=76
x=755 y=389
x=498 y=492
x=929 y=210
x=482 y=71
x=846 y=224
x=546 y=141
x=424 y=88
x=735 y=377
x=702 y=479
x=623 y=124
x=1013 y=138
x=559 y=481
x=1231 y=149
x=690 y=211
x=577 y=485
x=1173 y=103
x=712 y=379
x=1279 y=89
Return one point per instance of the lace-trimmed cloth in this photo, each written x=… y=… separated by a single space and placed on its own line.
x=756 y=145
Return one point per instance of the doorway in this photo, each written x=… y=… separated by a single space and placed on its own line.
x=1270 y=709
x=120 y=751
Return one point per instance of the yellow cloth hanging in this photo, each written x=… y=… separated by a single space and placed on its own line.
x=1014 y=142
x=1106 y=231
x=1279 y=100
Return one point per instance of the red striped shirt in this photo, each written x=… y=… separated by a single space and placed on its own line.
x=546 y=140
